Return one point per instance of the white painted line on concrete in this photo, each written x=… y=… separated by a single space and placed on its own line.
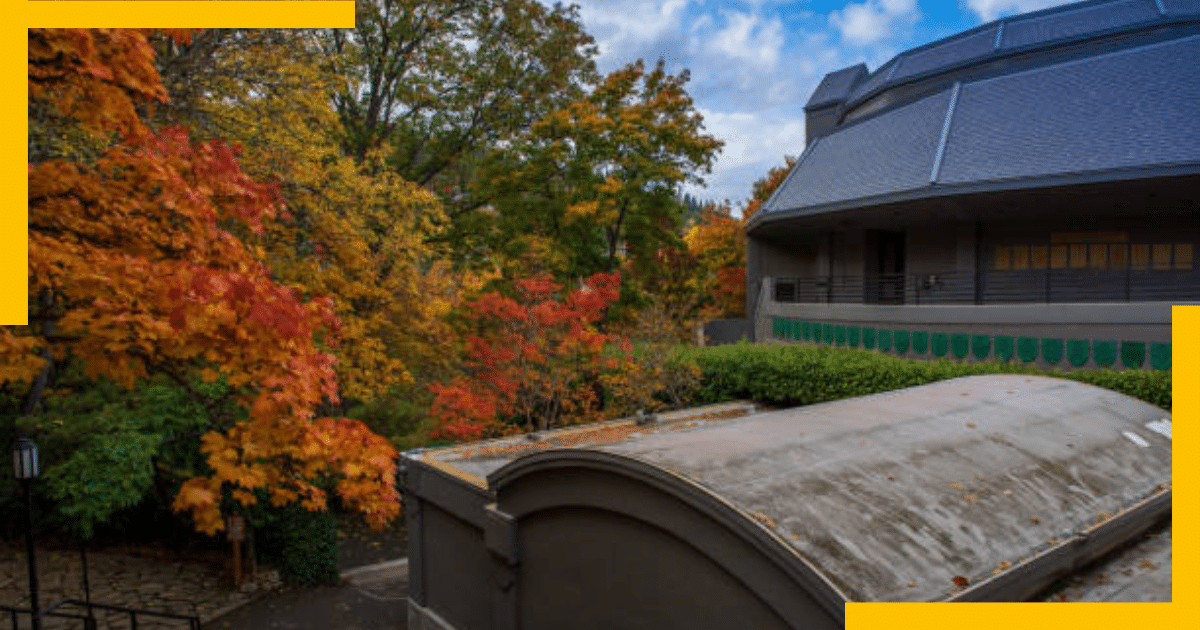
x=1161 y=427
x=1136 y=439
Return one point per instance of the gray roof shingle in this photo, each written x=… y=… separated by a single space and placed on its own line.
x=1132 y=104
x=1036 y=28
x=882 y=155
x=1131 y=108
x=836 y=86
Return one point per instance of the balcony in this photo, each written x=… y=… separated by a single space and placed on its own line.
x=1045 y=286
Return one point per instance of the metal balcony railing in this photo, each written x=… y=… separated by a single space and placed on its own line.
x=994 y=287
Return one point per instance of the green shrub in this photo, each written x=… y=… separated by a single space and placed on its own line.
x=789 y=375
x=303 y=545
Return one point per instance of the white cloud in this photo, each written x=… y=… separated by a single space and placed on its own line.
x=749 y=38
x=624 y=29
x=988 y=10
x=873 y=20
x=754 y=144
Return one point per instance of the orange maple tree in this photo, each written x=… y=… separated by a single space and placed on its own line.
x=535 y=357
x=136 y=271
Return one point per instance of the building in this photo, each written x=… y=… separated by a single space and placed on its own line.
x=1028 y=188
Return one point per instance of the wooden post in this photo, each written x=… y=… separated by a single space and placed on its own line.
x=236 y=532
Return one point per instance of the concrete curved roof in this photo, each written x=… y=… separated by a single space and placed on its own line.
x=1089 y=92
x=980 y=487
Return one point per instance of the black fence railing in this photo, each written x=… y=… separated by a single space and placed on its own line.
x=15 y=615
x=87 y=618
x=994 y=287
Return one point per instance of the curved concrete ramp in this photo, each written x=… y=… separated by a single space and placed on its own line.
x=978 y=488
x=896 y=495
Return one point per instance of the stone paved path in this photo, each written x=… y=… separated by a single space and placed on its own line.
x=181 y=587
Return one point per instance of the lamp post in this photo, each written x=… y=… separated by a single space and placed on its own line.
x=25 y=468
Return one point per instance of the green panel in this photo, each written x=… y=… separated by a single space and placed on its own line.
x=806 y=330
x=1052 y=350
x=1004 y=347
x=981 y=345
x=787 y=329
x=839 y=335
x=869 y=338
x=828 y=333
x=1077 y=351
x=940 y=343
x=1104 y=353
x=797 y=330
x=885 y=340
x=901 y=341
x=958 y=344
x=1133 y=353
x=852 y=333
x=1160 y=356
x=920 y=340
x=1027 y=349
x=776 y=327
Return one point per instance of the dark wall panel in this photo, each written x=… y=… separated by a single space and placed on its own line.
x=586 y=569
x=457 y=567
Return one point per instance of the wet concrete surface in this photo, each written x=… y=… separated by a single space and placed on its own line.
x=370 y=604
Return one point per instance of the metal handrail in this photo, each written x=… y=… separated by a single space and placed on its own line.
x=88 y=620
x=193 y=621
x=995 y=287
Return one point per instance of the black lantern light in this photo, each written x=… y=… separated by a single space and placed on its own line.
x=25 y=468
x=25 y=459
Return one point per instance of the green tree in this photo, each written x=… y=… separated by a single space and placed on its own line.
x=598 y=178
x=438 y=83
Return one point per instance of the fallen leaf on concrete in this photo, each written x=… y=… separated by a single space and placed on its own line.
x=763 y=518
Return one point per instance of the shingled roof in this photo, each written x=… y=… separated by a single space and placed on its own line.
x=1095 y=91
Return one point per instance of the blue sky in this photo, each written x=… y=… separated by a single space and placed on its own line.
x=754 y=63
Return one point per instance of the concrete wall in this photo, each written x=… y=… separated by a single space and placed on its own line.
x=725 y=331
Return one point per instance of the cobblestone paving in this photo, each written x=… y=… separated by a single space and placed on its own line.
x=202 y=589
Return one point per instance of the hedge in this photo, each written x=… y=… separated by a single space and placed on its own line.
x=302 y=544
x=790 y=375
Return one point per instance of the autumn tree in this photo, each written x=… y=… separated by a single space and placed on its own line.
x=359 y=232
x=533 y=358
x=717 y=244
x=138 y=275
x=763 y=188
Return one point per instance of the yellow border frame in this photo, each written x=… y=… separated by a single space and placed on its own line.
x=13 y=288
x=14 y=259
